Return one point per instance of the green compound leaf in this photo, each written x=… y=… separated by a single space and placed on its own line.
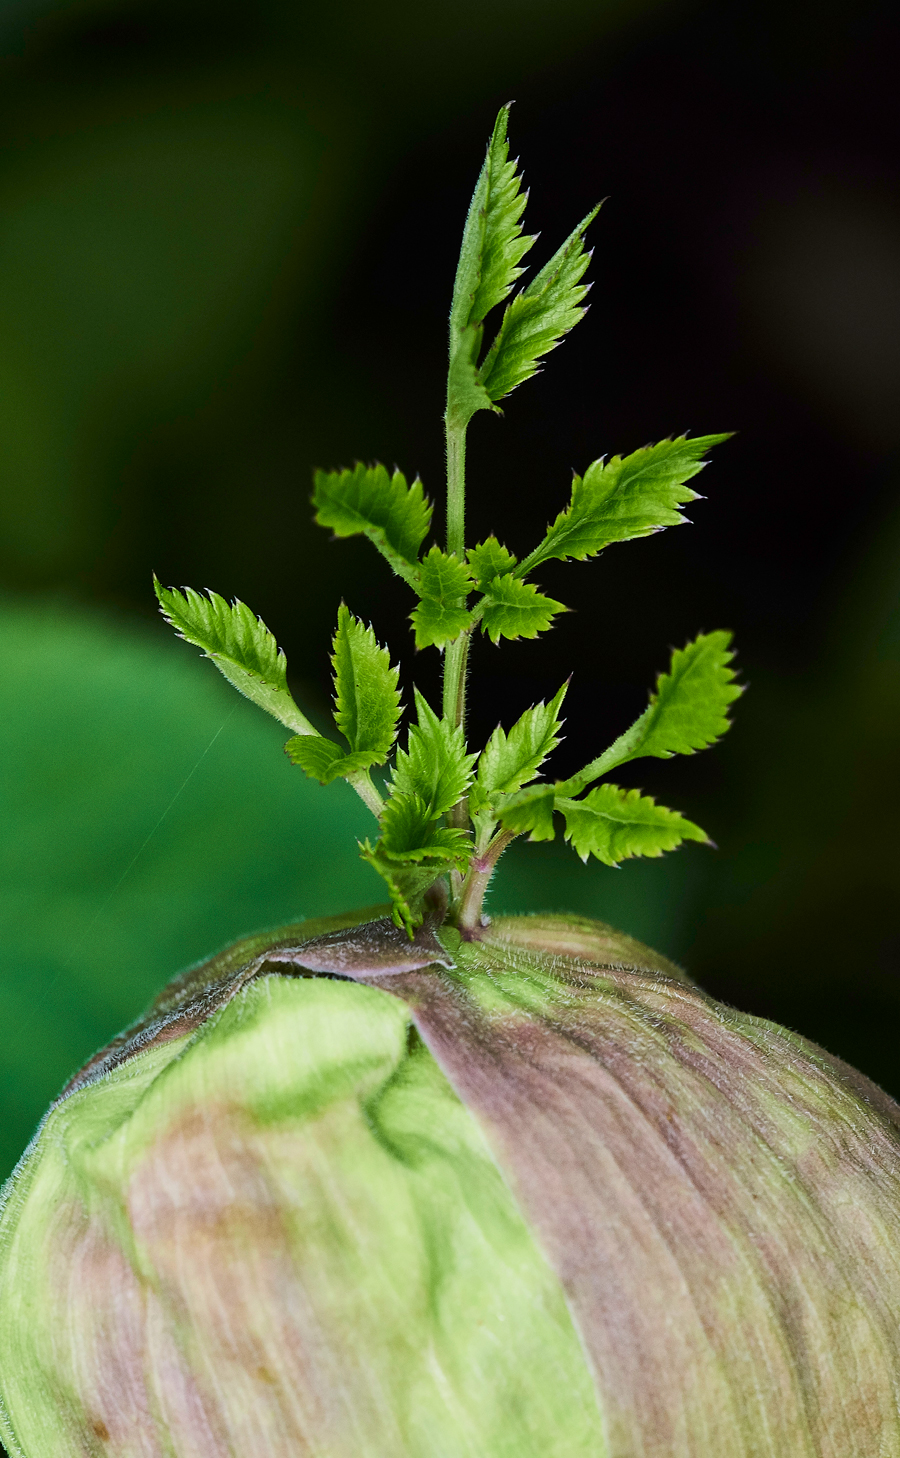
x=688 y=711
x=530 y=812
x=435 y=765
x=538 y=317
x=624 y=498
x=412 y=852
x=367 y=501
x=445 y=582
x=614 y=824
x=509 y=761
x=409 y=832
x=239 y=644
x=492 y=248
x=515 y=609
x=488 y=560
x=492 y=244
x=407 y=883
x=367 y=703
x=323 y=760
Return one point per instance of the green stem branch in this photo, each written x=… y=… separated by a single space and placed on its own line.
x=481 y=869
x=362 y=784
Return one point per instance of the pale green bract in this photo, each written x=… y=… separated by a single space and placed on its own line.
x=395 y=1300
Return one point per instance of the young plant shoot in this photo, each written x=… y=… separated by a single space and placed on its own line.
x=449 y=810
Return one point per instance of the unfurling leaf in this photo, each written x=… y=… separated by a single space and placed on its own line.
x=515 y=609
x=509 y=761
x=538 y=317
x=367 y=703
x=624 y=498
x=409 y=831
x=367 y=501
x=239 y=644
x=412 y=852
x=435 y=765
x=445 y=582
x=407 y=883
x=614 y=824
x=688 y=711
x=488 y=560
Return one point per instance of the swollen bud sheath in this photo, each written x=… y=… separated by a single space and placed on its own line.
x=344 y=1194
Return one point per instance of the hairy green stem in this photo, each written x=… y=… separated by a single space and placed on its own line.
x=456 y=490
x=456 y=658
x=456 y=655
x=481 y=869
x=362 y=784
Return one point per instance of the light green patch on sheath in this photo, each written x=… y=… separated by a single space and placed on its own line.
x=352 y=1170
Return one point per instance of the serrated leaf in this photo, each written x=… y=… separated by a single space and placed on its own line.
x=538 y=317
x=407 y=883
x=493 y=244
x=367 y=703
x=435 y=764
x=509 y=761
x=687 y=712
x=492 y=248
x=412 y=852
x=530 y=812
x=239 y=644
x=323 y=760
x=445 y=583
x=624 y=498
x=614 y=825
x=488 y=560
x=515 y=609
x=367 y=501
x=410 y=832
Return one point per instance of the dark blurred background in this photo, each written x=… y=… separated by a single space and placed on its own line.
x=227 y=241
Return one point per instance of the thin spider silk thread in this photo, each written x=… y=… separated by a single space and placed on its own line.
x=102 y=909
